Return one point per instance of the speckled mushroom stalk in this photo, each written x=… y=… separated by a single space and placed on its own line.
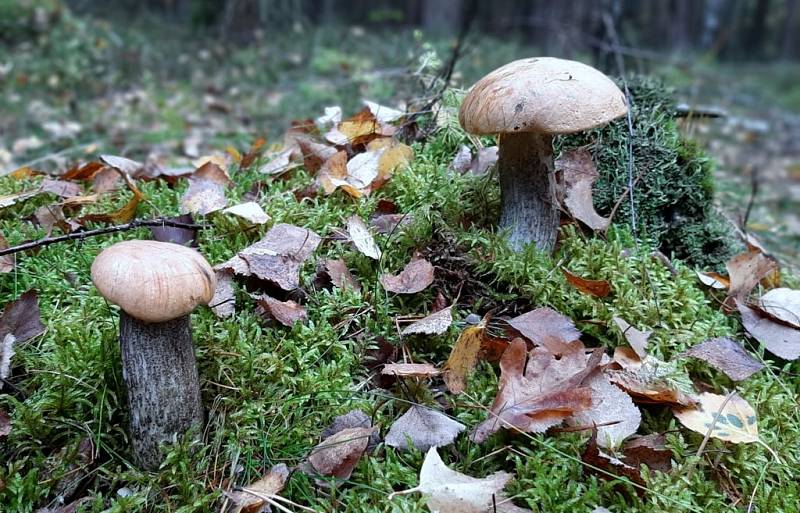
x=156 y=285
x=526 y=103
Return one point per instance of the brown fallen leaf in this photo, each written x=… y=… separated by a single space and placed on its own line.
x=83 y=172
x=223 y=304
x=312 y=153
x=637 y=339
x=175 y=234
x=352 y=419
x=423 y=428
x=649 y=380
x=203 y=197
x=337 y=455
x=746 y=270
x=7 y=262
x=255 y=151
x=285 y=312
x=388 y=223
x=579 y=174
x=415 y=277
x=783 y=304
x=52 y=216
x=106 y=180
x=357 y=130
x=649 y=450
x=18 y=197
x=448 y=491
x=463 y=358
x=277 y=257
x=362 y=238
x=597 y=288
x=253 y=497
x=727 y=356
x=124 y=214
x=279 y=163
x=541 y=394
x=410 y=370
x=609 y=405
x=60 y=188
x=434 y=324
x=333 y=174
x=20 y=322
x=340 y=275
x=780 y=339
x=548 y=328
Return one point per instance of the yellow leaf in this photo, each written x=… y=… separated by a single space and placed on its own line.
x=234 y=153
x=463 y=358
x=23 y=172
x=735 y=421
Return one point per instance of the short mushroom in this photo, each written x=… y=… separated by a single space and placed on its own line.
x=157 y=285
x=527 y=102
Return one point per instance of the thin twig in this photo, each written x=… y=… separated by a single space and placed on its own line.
x=99 y=231
x=754 y=183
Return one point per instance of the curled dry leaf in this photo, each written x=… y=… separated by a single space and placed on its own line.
x=362 y=238
x=285 y=312
x=83 y=172
x=423 y=428
x=253 y=497
x=579 y=174
x=223 y=304
x=52 y=216
x=637 y=339
x=410 y=370
x=434 y=324
x=780 y=339
x=650 y=450
x=277 y=257
x=547 y=328
x=746 y=270
x=106 y=180
x=249 y=211
x=124 y=214
x=541 y=394
x=415 y=277
x=609 y=404
x=714 y=280
x=279 y=163
x=735 y=419
x=649 y=380
x=20 y=322
x=448 y=491
x=337 y=455
x=125 y=165
x=382 y=113
x=463 y=358
x=727 y=356
x=597 y=288
x=340 y=275
x=783 y=304
x=18 y=197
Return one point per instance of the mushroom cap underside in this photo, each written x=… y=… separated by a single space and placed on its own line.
x=544 y=95
x=153 y=281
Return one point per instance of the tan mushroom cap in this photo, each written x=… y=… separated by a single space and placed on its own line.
x=541 y=94
x=153 y=281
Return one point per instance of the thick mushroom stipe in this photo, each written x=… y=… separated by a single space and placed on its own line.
x=527 y=190
x=160 y=373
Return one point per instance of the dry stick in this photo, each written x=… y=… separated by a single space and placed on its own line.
x=754 y=183
x=99 y=231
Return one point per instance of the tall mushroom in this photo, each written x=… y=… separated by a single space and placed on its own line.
x=157 y=285
x=527 y=102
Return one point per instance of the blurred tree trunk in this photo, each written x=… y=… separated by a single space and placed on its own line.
x=711 y=23
x=758 y=28
x=788 y=49
x=442 y=15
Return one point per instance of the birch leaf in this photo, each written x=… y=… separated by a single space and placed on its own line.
x=424 y=428
x=735 y=422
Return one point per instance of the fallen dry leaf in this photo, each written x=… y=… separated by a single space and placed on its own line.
x=249 y=211
x=277 y=257
x=727 y=356
x=106 y=180
x=5 y=424
x=746 y=270
x=52 y=216
x=448 y=491
x=782 y=304
x=637 y=339
x=285 y=312
x=337 y=455
x=434 y=324
x=597 y=288
x=362 y=238
x=83 y=172
x=357 y=130
x=332 y=116
x=223 y=304
x=462 y=160
x=579 y=174
x=203 y=197
x=60 y=188
x=17 y=197
x=735 y=422
x=175 y=234
x=547 y=328
x=648 y=380
x=410 y=370
x=609 y=404
x=124 y=214
x=541 y=394
x=20 y=322
x=7 y=262
x=333 y=175
x=340 y=275
x=650 y=450
x=423 y=428
x=252 y=498
x=352 y=419
x=415 y=277
x=382 y=113
x=125 y=165
x=312 y=153
x=780 y=339
x=714 y=280
x=255 y=151
x=463 y=358
x=279 y=163
x=387 y=223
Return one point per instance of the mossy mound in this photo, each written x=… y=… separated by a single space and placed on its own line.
x=673 y=180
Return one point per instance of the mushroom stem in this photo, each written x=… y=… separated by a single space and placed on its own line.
x=160 y=373
x=528 y=189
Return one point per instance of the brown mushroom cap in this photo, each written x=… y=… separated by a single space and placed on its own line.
x=153 y=281
x=541 y=94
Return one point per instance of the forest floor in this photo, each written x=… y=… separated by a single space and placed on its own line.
x=270 y=390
